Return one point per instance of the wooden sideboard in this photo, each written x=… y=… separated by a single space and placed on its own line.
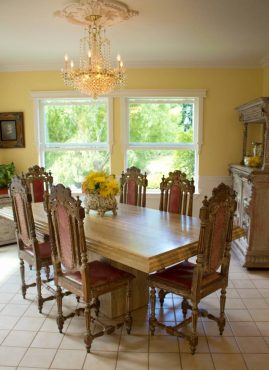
x=252 y=187
x=7 y=227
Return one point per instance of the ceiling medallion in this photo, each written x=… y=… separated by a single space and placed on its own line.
x=112 y=12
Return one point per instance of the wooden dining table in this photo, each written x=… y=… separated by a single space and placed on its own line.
x=139 y=240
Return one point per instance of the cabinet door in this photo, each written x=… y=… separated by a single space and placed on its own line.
x=246 y=198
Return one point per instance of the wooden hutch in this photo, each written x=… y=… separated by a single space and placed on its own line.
x=252 y=187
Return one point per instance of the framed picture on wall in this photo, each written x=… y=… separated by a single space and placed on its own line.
x=12 y=130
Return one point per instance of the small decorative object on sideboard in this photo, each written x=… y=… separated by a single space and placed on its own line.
x=100 y=190
x=251 y=183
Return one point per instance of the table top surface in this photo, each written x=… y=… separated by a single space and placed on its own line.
x=142 y=238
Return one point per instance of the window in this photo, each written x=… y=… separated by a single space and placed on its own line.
x=162 y=135
x=74 y=137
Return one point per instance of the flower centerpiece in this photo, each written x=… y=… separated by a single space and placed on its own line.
x=100 y=190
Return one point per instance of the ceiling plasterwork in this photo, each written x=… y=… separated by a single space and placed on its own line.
x=112 y=12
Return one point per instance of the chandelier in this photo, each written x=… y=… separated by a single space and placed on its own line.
x=94 y=74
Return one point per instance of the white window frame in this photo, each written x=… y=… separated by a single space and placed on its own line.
x=40 y=98
x=184 y=96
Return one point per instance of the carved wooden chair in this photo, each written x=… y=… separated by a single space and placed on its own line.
x=210 y=273
x=177 y=193
x=38 y=181
x=35 y=253
x=73 y=271
x=133 y=186
x=176 y=197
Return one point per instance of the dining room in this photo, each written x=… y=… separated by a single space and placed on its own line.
x=175 y=93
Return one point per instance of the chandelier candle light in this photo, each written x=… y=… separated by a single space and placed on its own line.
x=95 y=76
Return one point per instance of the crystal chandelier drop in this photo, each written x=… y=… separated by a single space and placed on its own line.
x=95 y=75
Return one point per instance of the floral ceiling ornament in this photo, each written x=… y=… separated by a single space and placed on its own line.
x=95 y=75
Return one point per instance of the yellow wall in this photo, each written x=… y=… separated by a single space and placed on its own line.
x=265 y=86
x=227 y=88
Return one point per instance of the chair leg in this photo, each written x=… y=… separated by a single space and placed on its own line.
x=88 y=337
x=128 y=318
x=96 y=306
x=23 y=285
x=184 y=307
x=194 y=336
x=152 y=310
x=162 y=295
x=60 y=318
x=221 y=321
x=38 y=286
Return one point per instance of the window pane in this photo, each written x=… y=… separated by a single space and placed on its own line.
x=157 y=163
x=160 y=123
x=70 y=167
x=76 y=123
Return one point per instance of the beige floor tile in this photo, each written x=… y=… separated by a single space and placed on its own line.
x=6 y=297
x=13 y=310
x=47 y=340
x=238 y=315
x=136 y=343
x=244 y=329
x=257 y=361
x=249 y=293
x=100 y=361
x=259 y=314
x=29 y=368
x=200 y=361
x=160 y=361
x=202 y=346
x=37 y=357
x=19 y=338
x=252 y=345
x=17 y=299
x=8 y=322
x=10 y=368
x=106 y=343
x=3 y=334
x=261 y=284
x=73 y=341
x=241 y=275
x=231 y=361
x=11 y=356
x=255 y=303
x=69 y=359
x=222 y=345
x=231 y=293
x=29 y=323
x=140 y=328
x=234 y=303
x=244 y=283
x=50 y=325
x=211 y=329
x=32 y=310
x=264 y=292
x=263 y=327
x=9 y=288
x=131 y=361
x=163 y=343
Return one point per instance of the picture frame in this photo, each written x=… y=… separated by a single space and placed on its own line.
x=12 y=130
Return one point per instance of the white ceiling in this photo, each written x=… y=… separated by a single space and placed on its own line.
x=166 y=33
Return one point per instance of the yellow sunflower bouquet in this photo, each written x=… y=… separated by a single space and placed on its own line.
x=100 y=183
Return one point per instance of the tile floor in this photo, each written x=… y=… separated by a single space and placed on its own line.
x=29 y=340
